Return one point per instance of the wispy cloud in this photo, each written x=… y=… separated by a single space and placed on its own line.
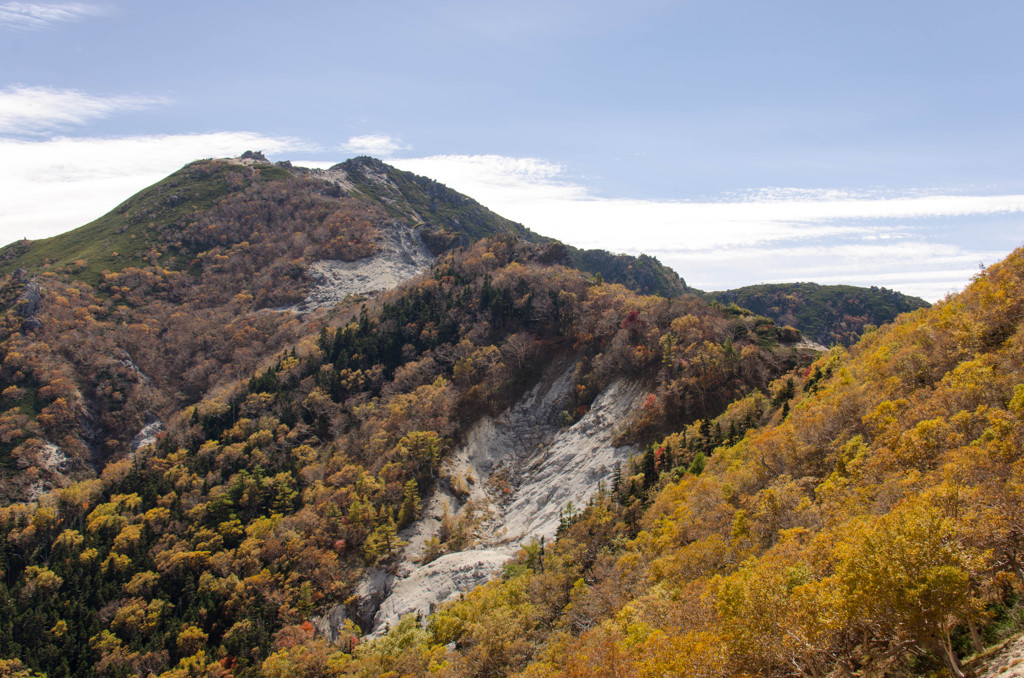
x=378 y=145
x=33 y=15
x=38 y=110
x=54 y=185
x=771 y=235
x=926 y=269
x=768 y=235
x=534 y=191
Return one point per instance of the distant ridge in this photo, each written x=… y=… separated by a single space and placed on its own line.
x=828 y=314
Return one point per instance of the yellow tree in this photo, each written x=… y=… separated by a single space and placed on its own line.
x=776 y=614
x=906 y=577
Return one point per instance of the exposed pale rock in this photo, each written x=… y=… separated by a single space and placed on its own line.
x=525 y=469
x=401 y=256
x=147 y=434
x=439 y=582
x=52 y=458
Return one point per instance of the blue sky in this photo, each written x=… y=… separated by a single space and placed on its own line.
x=740 y=142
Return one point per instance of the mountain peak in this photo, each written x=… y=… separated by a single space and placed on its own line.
x=254 y=155
x=364 y=162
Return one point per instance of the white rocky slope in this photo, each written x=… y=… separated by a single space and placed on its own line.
x=522 y=469
x=516 y=473
x=1004 y=661
x=401 y=255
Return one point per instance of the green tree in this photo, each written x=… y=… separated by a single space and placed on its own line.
x=410 y=509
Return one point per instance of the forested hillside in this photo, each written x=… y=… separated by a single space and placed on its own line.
x=828 y=314
x=126 y=320
x=264 y=504
x=871 y=526
x=203 y=474
x=188 y=286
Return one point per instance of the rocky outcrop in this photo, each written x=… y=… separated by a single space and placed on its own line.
x=147 y=434
x=29 y=300
x=438 y=582
x=372 y=590
x=521 y=471
x=401 y=255
x=28 y=303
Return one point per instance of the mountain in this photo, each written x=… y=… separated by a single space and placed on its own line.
x=241 y=413
x=828 y=314
x=186 y=287
x=349 y=423
x=448 y=218
x=148 y=227
x=868 y=525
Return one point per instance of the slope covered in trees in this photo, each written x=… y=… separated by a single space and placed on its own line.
x=262 y=506
x=124 y=321
x=184 y=287
x=869 y=526
x=642 y=273
x=857 y=515
x=828 y=314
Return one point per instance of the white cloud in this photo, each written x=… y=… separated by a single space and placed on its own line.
x=496 y=178
x=377 y=145
x=926 y=269
x=35 y=110
x=55 y=185
x=531 y=191
x=771 y=235
x=38 y=15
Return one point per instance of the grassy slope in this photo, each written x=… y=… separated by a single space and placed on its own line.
x=123 y=236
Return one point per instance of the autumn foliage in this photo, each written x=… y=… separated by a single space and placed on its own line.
x=870 y=525
x=855 y=513
x=263 y=503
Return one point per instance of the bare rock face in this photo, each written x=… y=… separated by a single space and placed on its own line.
x=29 y=300
x=521 y=470
x=147 y=434
x=371 y=592
x=438 y=582
x=28 y=303
x=401 y=255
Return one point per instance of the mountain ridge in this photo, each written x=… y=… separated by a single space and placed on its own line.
x=495 y=400
x=116 y=240
x=236 y=240
x=828 y=314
